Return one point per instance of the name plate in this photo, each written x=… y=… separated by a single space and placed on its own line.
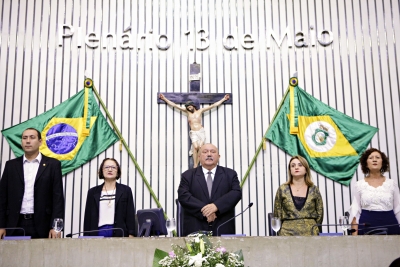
x=16 y=237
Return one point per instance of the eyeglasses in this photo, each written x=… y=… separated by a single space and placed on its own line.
x=114 y=168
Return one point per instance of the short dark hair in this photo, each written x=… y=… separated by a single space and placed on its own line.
x=101 y=175
x=39 y=134
x=364 y=158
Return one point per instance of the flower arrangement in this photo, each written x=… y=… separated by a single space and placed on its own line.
x=198 y=252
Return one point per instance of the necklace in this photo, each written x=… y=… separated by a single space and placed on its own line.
x=109 y=196
x=298 y=188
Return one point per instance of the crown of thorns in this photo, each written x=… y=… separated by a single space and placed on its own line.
x=190 y=103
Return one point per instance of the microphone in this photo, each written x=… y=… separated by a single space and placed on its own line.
x=96 y=231
x=15 y=228
x=369 y=229
x=351 y=230
x=349 y=224
x=249 y=206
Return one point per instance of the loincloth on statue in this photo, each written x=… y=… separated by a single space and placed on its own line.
x=197 y=136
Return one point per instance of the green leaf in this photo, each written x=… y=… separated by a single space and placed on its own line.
x=202 y=246
x=189 y=247
x=207 y=241
x=240 y=255
x=159 y=255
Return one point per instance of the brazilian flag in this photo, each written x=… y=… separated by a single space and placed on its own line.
x=73 y=132
x=331 y=141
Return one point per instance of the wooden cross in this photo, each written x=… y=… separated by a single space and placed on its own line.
x=194 y=95
x=197 y=98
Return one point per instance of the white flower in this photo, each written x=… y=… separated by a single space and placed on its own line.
x=219 y=265
x=197 y=260
x=197 y=239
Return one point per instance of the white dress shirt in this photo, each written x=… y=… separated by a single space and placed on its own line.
x=30 y=172
x=205 y=171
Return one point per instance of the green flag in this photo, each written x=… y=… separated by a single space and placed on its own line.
x=73 y=132
x=331 y=141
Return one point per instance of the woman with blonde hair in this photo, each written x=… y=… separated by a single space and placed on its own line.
x=298 y=202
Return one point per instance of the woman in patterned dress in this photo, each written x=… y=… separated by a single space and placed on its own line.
x=376 y=199
x=298 y=202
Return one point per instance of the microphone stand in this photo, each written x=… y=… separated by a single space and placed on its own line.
x=94 y=231
x=349 y=224
x=249 y=206
x=377 y=227
x=15 y=228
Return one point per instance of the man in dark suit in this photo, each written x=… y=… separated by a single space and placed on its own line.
x=209 y=194
x=31 y=191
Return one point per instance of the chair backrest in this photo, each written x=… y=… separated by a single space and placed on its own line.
x=395 y=263
x=179 y=218
x=270 y=231
x=377 y=231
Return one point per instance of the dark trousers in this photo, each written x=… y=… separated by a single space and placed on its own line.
x=29 y=226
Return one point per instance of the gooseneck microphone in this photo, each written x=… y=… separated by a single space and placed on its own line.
x=349 y=225
x=96 y=231
x=14 y=228
x=384 y=228
x=249 y=206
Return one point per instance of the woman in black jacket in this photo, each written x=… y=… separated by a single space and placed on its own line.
x=110 y=205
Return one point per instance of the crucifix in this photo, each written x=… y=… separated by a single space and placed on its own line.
x=192 y=108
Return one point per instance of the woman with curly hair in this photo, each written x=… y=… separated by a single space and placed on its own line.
x=298 y=202
x=376 y=199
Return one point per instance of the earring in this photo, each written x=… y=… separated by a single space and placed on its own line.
x=382 y=171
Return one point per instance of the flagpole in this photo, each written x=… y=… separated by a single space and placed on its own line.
x=129 y=151
x=261 y=144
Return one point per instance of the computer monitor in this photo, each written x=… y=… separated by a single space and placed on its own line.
x=151 y=222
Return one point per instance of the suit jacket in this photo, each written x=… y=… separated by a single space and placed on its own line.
x=193 y=196
x=124 y=215
x=48 y=194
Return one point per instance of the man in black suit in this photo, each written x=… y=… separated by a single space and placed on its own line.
x=209 y=194
x=31 y=191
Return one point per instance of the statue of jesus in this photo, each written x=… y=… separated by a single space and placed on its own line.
x=197 y=133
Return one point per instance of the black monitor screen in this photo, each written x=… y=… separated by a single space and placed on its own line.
x=153 y=218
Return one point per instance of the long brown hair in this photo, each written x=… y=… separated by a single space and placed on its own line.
x=307 y=176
